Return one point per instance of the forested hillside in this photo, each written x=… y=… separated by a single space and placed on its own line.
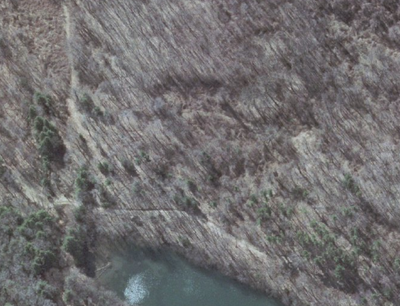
x=259 y=138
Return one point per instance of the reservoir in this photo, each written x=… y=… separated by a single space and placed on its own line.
x=151 y=278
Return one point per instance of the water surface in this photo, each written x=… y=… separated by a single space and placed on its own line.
x=164 y=279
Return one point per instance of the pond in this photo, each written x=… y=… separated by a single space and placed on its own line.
x=165 y=279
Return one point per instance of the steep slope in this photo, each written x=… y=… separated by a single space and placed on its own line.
x=259 y=137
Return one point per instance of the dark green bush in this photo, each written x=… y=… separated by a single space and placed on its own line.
x=104 y=167
x=39 y=222
x=106 y=199
x=129 y=167
x=74 y=243
x=350 y=184
x=300 y=193
x=339 y=270
x=191 y=186
x=45 y=290
x=213 y=204
x=98 y=112
x=3 y=168
x=80 y=213
x=263 y=214
x=50 y=144
x=142 y=157
x=84 y=182
x=32 y=113
x=138 y=189
x=186 y=202
x=43 y=261
x=86 y=103
x=108 y=204
x=42 y=99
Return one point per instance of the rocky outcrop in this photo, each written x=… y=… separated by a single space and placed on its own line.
x=259 y=137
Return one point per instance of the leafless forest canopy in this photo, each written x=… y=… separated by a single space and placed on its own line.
x=260 y=138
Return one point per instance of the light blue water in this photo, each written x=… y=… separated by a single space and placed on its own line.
x=164 y=279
